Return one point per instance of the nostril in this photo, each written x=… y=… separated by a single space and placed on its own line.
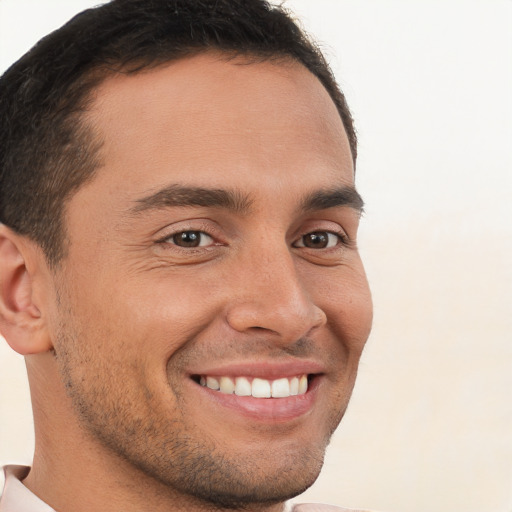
x=289 y=321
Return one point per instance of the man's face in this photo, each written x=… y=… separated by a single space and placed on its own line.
x=216 y=244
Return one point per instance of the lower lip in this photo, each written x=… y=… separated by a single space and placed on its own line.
x=265 y=410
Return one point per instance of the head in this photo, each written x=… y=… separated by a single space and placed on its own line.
x=179 y=239
x=47 y=152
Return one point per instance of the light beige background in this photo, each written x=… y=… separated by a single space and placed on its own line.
x=430 y=84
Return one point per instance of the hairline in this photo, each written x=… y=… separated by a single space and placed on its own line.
x=90 y=137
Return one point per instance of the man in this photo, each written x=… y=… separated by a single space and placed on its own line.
x=179 y=259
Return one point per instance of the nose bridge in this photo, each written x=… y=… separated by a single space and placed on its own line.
x=273 y=297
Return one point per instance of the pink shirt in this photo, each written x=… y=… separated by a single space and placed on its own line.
x=17 y=498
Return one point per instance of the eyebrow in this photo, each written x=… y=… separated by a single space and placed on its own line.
x=332 y=198
x=179 y=195
x=183 y=196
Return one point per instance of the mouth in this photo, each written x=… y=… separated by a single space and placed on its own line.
x=264 y=393
x=256 y=387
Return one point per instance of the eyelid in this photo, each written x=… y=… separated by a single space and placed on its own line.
x=206 y=227
x=342 y=237
x=168 y=238
x=203 y=234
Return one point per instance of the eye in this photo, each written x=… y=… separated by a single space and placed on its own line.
x=319 y=240
x=190 y=239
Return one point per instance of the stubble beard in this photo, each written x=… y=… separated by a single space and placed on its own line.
x=127 y=424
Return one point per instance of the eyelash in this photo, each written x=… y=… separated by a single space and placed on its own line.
x=342 y=239
x=170 y=240
x=192 y=234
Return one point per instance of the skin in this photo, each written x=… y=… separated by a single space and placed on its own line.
x=116 y=335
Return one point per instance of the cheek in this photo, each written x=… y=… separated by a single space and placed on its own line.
x=152 y=322
x=347 y=302
x=161 y=303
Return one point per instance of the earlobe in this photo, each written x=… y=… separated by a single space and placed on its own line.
x=21 y=321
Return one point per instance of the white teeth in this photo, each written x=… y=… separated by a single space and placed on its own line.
x=281 y=388
x=261 y=388
x=243 y=387
x=212 y=383
x=258 y=388
x=227 y=386
x=303 y=385
x=294 y=386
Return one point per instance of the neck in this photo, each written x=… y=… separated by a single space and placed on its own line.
x=77 y=477
x=73 y=472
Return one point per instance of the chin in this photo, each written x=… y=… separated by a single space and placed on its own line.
x=239 y=488
x=263 y=476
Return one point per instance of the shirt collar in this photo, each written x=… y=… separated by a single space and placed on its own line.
x=16 y=497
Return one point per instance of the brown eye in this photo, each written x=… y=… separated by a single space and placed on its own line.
x=191 y=239
x=318 y=240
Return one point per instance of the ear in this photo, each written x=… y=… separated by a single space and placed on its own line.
x=21 y=320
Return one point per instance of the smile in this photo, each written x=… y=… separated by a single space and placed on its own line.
x=257 y=387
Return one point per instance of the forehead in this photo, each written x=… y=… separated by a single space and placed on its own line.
x=208 y=117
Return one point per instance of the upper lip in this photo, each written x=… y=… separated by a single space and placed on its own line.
x=263 y=369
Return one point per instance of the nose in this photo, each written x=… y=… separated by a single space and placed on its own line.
x=273 y=297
